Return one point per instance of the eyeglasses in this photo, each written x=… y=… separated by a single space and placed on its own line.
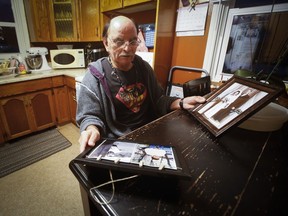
x=121 y=43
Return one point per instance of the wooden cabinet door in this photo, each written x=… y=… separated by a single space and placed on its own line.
x=133 y=2
x=70 y=83
x=107 y=5
x=72 y=103
x=37 y=13
x=41 y=109
x=25 y=114
x=15 y=116
x=63 y=20
x=89 y=20
x=62 y=105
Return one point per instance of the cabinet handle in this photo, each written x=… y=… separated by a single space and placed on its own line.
x=74 y=98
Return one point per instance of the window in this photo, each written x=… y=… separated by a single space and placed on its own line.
x=254 y=39
x=14 y=38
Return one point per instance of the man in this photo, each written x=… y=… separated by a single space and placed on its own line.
x=120 y=93
x=234 y=106
x=223 y=104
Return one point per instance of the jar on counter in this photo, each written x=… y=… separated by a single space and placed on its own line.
x=22 y=68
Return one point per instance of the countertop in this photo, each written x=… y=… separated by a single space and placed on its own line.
x=76 y=73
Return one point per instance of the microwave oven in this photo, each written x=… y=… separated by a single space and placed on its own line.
x=67 y=58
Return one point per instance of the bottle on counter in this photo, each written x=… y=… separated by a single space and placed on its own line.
x=21 y=66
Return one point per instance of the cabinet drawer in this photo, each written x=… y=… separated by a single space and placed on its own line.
x=25 y=87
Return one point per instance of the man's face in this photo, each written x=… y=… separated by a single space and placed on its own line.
x=122 y=43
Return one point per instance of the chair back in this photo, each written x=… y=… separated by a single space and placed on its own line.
x=200 y=87
x=189 y=80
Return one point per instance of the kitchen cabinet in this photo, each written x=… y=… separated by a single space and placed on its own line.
x=134 y=2
x=70 y=83
x=29 y=106
x=72 y=104
x=61 y=102
x=61 y=105
x=108 y=5
x=63 y=20
x=24 y=114
x=38 y=21
x=89 y=20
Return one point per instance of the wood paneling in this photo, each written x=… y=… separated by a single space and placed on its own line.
x=189 y=51
x=165 y=28
x=143 y=17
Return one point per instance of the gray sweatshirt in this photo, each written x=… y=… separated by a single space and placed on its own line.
x=95 y=105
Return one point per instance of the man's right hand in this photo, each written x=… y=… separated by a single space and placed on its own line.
x=89 y=137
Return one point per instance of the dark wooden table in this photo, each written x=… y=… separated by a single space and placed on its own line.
x=240 y=173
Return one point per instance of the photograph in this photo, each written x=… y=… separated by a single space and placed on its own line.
x=154 y=156
x=231 y=103
x=235 y=100
x=136 y=153
x=113 y=151
x=245 y=35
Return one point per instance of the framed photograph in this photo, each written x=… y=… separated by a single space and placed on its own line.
x=233 y=102
x=135 y=157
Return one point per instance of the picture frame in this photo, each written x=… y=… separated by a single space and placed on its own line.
x=124 y=155
x=235 y=101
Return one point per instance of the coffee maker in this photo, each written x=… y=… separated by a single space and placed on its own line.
x=36 y=60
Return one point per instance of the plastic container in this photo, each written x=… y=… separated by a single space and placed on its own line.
x=270 y=118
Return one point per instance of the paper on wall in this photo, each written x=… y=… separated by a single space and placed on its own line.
x=191 y=22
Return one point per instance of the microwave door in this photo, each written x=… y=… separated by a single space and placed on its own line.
x=64 y=59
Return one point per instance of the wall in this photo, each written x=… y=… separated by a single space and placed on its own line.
x=189 y=51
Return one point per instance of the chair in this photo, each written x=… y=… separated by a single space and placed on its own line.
x=187 y=81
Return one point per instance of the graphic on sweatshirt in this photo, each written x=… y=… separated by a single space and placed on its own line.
x=132 y=96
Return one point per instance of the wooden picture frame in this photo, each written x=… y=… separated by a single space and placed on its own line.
x=100 y=156
x=233 y=102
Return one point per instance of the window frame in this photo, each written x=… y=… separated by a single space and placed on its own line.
x=219 y=32
x=21 y=29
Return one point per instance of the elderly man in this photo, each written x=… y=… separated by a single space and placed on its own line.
x=120 y=93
